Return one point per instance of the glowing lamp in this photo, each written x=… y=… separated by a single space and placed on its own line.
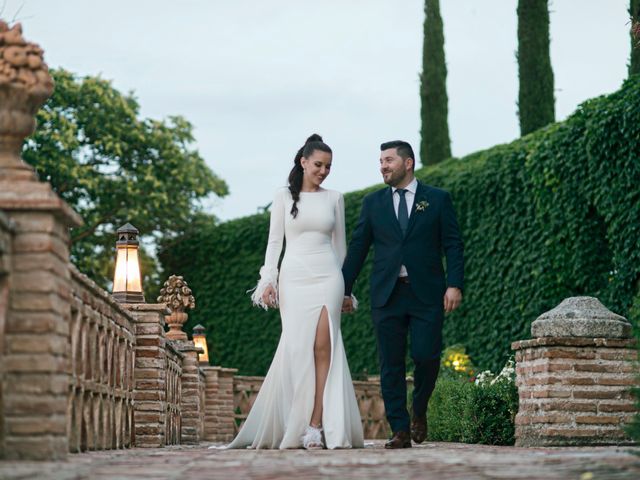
x=200 y=340
x=127 y=282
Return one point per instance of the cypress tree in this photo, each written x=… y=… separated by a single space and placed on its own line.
x=435 y=144
x=536 y=104
x=634 y=13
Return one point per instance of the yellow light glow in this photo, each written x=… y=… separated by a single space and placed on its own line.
x=134 y=284
x=127 y=274
x=201 y=341
x=120 y=277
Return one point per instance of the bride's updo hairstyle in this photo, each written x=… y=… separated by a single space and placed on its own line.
x=313 y=143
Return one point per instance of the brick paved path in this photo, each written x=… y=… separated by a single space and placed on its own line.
x=432 y=460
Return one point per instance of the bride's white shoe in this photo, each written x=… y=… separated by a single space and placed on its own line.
x=312 y=438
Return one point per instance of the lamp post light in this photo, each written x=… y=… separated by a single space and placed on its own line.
x=127 y=282
x=200 y=340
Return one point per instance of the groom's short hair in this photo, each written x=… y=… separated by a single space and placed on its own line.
x=403 y=148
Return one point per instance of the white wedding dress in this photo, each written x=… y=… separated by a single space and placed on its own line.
x=310 y=278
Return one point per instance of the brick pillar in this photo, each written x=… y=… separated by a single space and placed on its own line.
x=574 y=377
x=36 y=339
x=6 y=235
x=190 y=398
x=150 y=406
x=211 y=387
x=225 y=397
x=219 y=407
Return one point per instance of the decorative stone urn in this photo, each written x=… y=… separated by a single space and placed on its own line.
x=574 y=377
x=177 y=295
x=25 y=84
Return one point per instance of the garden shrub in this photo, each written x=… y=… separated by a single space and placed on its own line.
x=483 y=411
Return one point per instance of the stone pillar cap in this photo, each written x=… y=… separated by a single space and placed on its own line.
x=581 y=317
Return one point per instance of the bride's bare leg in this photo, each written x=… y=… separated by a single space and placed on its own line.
x=322 y=354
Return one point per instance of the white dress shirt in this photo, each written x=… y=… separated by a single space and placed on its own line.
x=409 y=196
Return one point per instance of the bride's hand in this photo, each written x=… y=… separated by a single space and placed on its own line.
x=269 y=296
x=347 y=305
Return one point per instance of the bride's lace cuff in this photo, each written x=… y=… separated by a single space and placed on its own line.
x=268 y=277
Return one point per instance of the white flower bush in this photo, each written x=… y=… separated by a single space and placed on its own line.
x=506 y=375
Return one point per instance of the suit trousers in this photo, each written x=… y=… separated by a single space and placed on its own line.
x=405 y=315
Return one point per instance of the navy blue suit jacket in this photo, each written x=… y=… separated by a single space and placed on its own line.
x=432 y=232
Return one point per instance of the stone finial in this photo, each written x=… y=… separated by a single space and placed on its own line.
x=25 y=84
x=581 y=317
x=177 y=295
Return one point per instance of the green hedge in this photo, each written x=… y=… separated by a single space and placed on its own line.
x=460 y=411
x=552 y=215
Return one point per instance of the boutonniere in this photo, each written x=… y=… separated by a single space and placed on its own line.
x=421 y=206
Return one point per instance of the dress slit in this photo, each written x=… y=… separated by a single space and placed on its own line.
x=326 y=381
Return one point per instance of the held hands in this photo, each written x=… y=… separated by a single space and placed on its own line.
x=269 y=296
x=347 y=305
x=452 y=299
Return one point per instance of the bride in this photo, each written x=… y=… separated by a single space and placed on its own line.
x=307 y=398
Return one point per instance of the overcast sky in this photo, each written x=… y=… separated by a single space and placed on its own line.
x=256 y=77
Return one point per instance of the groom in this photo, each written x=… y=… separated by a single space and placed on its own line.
x=410 y=226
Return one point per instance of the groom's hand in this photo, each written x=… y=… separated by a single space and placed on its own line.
x=347 y=305
x=452 y=299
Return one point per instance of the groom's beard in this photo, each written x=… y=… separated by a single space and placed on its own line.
x=394 y=178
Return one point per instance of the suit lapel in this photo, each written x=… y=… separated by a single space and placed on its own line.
x=390 y=211
x=421 y=192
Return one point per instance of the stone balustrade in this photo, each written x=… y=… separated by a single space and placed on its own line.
x=230 y=398
x=371 y=405
x=245 y=391
x=100 y=404
x=173 y=395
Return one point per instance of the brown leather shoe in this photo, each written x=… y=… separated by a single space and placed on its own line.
x=399 y=440
x=419 y=429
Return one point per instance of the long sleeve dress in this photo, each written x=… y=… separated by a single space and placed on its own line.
x=310 y=278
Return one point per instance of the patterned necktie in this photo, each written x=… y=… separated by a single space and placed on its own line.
x=403 y=212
